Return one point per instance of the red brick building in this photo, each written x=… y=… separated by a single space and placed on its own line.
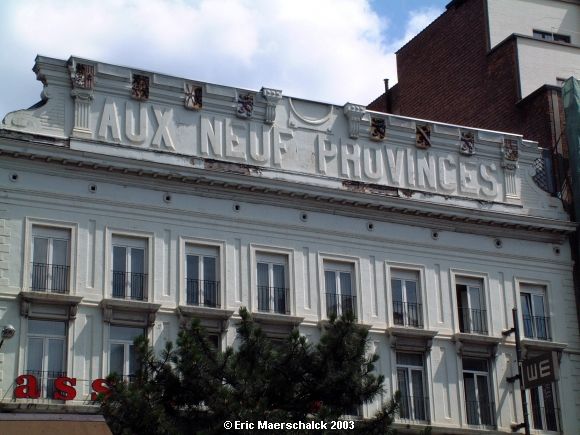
x=493 y=64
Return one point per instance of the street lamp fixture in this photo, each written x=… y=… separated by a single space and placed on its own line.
x=7 y=333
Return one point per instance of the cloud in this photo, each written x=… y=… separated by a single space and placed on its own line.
x=328 y=50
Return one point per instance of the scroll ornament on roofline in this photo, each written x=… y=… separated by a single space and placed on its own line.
x=467 y=143
x=378 y=129
x=423 y=137
x=140 y=87
x=245 y=107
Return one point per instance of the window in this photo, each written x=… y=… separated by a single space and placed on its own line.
x=272 y=279
x=407 y=310
x=536 y=323
x=129 y=266
x=46 y=353
x=471 y=306
x=202 y=286
x=340 y=294
x=549 y=36
x=478 y=404
x=544 y=415
x=122 y=355
x=50 y=259
x=410 y=382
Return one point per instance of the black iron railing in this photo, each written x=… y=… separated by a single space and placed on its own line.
x=414 y=408
x=52 y=278
x=45 y=381
x=473 y=321
x=129 y=285
x=537 y=327
x=338 y=305
x=480 y=413
x=408 y=314
x=203 y=292
x=273 y=299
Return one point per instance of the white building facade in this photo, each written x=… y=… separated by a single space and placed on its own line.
x=131 y=201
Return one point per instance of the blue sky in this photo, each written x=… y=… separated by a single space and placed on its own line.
x=326 y=50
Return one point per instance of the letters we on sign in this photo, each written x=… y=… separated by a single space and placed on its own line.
x=540 y=370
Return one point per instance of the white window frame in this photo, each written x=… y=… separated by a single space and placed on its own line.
x=534 y=289
x=274 y=253
x=192 y=245
x=542 y=410
x=127 y=344
x=43 y=383
x=462 y=277
x=272 y=260
x=410 y=368
x=31 y=226
x=112 y=234
x=338 y=264
x=490 y=392
x=406 y=275
x=203 y=252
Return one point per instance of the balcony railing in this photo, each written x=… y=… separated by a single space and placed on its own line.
x=203 y=292
x=545 y=418
x=414 y=408
x=273 y=299
x=338 y=305
x=473 y=321
x=45 y=381
x=52 y=278
x=480 y=413
x=537 y=327
x=129 y=285
x=408 y=314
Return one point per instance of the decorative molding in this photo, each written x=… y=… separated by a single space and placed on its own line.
x=423 y=136
x=378 y=129
x=272 y=97
x=140 y=87
x=354 y=114
x=245 y=105
x=30 y=298
x=193 y=96
x=510 y=154
x=467 y=143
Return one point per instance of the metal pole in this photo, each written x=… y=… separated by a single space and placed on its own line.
x=520 y=372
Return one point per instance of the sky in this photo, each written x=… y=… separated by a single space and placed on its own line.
x=334 y=51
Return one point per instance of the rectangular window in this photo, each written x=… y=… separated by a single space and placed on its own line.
x=46 y=353
x=50 y=259
x=122 y=356
x=407 y=310
x=480 y=409
x=544 y=415
x=471 y=306
x=410 y=382
x=272 y=280
x=340 y=293
x=202 y=284
x=549 y=36
x=129 y=268
x=535 y=320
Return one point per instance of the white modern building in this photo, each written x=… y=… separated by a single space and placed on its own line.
x=131 y=200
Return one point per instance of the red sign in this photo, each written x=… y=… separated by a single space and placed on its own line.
x=64 y=388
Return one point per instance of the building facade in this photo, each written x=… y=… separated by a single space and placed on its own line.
x=132 y=201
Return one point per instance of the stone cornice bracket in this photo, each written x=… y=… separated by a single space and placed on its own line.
x=354 y=114
x=82 y=77
x=272 y=97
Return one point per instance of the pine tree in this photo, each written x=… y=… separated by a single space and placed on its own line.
x=193 y=388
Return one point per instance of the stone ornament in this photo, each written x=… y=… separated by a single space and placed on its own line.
x=354 y=114
x=510 y=154
x=272 y=97
x=82 y=76
x=378 y=129
x=467 y=143
x=193 y=97
x=423 y=137
x=140 y=87
x=245 y=107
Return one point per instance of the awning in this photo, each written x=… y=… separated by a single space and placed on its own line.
x=52 y=424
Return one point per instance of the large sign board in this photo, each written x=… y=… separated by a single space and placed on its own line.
x=540 y=370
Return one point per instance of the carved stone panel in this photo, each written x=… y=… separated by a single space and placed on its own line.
x=245 y=105
x=82 y=76
x=423 y=136
x=378 y=129
x=140 y=87
x=467 y=143
x=193 y=97
x=510 y=154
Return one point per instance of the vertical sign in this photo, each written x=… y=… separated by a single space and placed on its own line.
x=540 y=370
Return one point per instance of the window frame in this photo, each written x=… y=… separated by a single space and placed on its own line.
x=342 y=263
x=186 y=243
x=127 y=344
x=273 y=254
x=409 y=369
x=543 y=35
x=464 y=277
x=29 y=224
x=542 y=410
x=110 y=235
x=534 y=287
x=490 y=391
x=406 y=272
x=271 y=260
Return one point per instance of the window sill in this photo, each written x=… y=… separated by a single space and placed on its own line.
x=204 y=312
x=530 y=343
